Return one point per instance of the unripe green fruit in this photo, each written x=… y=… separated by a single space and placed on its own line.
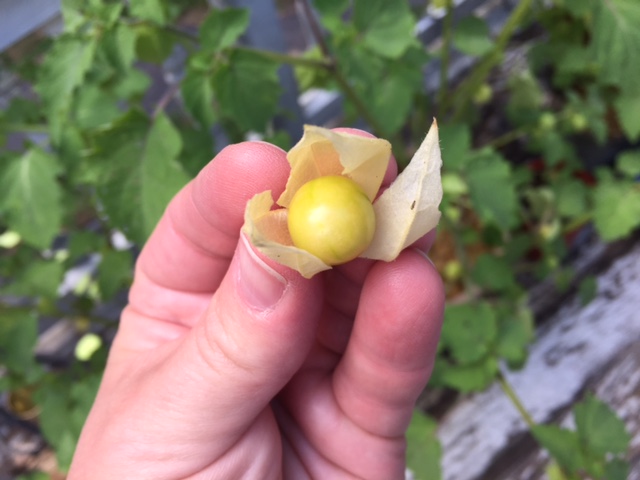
x=332 y=218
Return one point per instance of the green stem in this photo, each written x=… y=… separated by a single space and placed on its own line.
x=332 y=64
x=481 y=71
x=445 y=56
x=507 y=138
x=508 y=390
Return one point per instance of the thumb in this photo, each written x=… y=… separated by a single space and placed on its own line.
x=256 y=333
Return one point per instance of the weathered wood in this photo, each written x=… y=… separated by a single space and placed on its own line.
x=579 y=348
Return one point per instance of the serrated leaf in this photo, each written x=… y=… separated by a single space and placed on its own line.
x=466 y=378
x=515 y=334
x=628 y=163
x=599 y=428
x=491 y=189
x=617 y=208
x=617 y=469
x=223 y=27
x=455 y=141
x=588 y=289
x=423 y=448
x=95 y=107
x=64 y=69
x=142 y=175
x=493 y=273
x=119 y=46
x=563 y=445
x=387 y=27
x=153 y=44
x=40 y=278
x=247 y=89
x=471 y=36
x=628 y=110
x=571 y=197
x=18 y=336
x=153 y=10
x=114 y=273
x=197 y=94
x=469 y=331
x=31 y=198
x=616 y=42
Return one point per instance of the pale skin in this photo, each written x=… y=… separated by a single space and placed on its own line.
x=229 y=366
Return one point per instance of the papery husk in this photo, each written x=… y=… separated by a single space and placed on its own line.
x=409 y=208
x=322 y=152
x=267 y=230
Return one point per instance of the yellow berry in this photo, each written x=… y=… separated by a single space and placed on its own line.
x=332 y=218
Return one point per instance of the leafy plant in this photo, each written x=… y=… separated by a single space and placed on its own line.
x=102 y=155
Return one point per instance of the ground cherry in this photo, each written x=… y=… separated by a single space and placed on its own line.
x=332 y=218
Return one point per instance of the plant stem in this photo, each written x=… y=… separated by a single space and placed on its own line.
x=333 y=67
x=506 y=138
x=445 y=55
x=508 y=390
x=482 y=70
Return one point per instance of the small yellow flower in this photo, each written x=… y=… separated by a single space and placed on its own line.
x=404 y=212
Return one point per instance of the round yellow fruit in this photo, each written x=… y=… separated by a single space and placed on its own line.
x=332 y=218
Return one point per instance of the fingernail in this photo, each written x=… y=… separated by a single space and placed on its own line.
x=260 y=285
x=424 y=254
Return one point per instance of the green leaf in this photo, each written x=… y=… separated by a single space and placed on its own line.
x=571 y=196
x=628 y=163
x=471 y=36
x=333 y=8
x=119 y=47
x=493 y=273
x=466 y=378
x=563 y=445
x=248 y=90
x=588 y=289
x=616 y=42
x=18 y=336
x=95 y=107
x=469 y=331
x=455 y=142
x=64 y=69
x=491 y=189
x=423 y=448
x=515 y=334
x=115 y=272
x=153 y=10
x=386 y=27
x=628 y=110
x=153 y=44
x=40 y=278
x=617 y=208
x=399 y=85
x=162 y=176
x=222 y=28
x=599 y=428
x=143 y=174
x=197 y=94
x=617 y=469
x=31 y=197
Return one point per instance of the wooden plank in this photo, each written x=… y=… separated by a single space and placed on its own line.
x=574 y=347
x=19 y=18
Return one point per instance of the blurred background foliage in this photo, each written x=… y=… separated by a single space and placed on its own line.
x=132 y=99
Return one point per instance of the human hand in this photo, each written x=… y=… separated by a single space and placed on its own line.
x=229 y=366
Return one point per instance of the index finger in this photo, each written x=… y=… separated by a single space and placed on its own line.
x=192 y=245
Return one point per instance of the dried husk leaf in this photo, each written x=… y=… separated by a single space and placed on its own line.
x=323 y=152
x=408 y=209
x=267 y=230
